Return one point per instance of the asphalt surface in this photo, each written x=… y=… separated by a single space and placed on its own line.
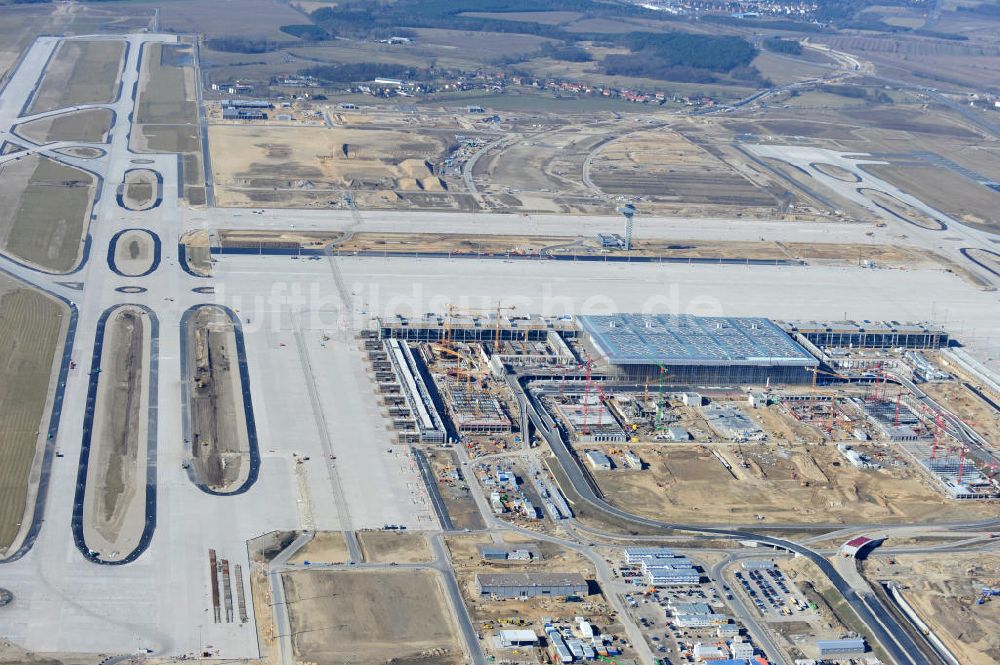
x=879 y=621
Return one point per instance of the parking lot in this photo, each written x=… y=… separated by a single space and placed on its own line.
x=772 y=594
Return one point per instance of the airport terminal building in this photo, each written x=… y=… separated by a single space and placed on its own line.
x=696 y=350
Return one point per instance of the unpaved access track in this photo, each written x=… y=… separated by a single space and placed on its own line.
x=219 y=442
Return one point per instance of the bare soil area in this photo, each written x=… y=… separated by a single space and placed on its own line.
x=166 y=116
x=44 y=211
x=220 y=447
x=961 y=198
x=197 y=252
x=809 y=484
x=900 y=208
x=325 y=547
x=140 y=189
x=370 y=617
x=976 y=413
x=89 y=126
x=248 y=159
x=664 y=165
x=943 y=591
x=80 y=72
x=134 y=252
x=394 y=547
x=32 y=326
x=114 y=507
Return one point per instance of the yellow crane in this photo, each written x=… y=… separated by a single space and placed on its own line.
x=498 y=310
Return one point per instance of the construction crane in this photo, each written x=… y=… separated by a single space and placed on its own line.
x=498 y=310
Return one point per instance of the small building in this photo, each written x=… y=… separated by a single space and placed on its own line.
x=740 y=649
x=692 y=399
x=728 y=630
x=530 y=585
x=663 y=576
x=689 y=608
x=758 y=400
x=598 y=460
x=509 y=639
x=701 y=620
x=708 y=652
x=844 y=647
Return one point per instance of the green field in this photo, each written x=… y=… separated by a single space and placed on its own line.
x=30 y=330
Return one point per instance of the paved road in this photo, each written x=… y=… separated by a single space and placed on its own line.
x=882 y=625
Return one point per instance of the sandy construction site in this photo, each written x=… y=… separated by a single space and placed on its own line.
x=115 y=500
x=943 y=589
x=295 y=166
x=368 y=616
x=664 y=167
x=793 y=483
x=218 y=426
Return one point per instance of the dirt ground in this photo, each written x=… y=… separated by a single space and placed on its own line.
x=140 y=189
x=959 y=197
x=370 y=617
x=197 y=252
x=394 y=547
x=218 y=427
x=247 y=159
x=976 y=413
x=31 y=328
x=325 y=547
x=552 y=559
x=115 y=500
x=89 y=125
x=987 y=257
x=167 y=113
x=80 y=72
x=134 y=252
x=809 y=484
x=457 y=494
x=530 y=613
x=404 y=243
x=44 y=211
x=943 y=591
x=900 y=208
x=664 y=165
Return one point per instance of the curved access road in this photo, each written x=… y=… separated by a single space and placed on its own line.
x=881 y=624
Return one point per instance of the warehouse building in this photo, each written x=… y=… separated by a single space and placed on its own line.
x=845 y=647
x=696 y=350
x=509 y=639
x=530 y=585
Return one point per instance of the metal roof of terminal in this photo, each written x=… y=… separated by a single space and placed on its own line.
x=681 y=339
